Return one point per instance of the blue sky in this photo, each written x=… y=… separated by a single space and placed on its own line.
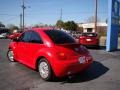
x=48 y=11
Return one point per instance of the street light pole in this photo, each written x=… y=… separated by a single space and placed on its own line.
x=96 y=7
x=20 y=22
x=23 y=10
x=61 y=14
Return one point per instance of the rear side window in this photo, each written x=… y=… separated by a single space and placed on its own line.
x=25 y=37
x=59 y=37
x=30 y=37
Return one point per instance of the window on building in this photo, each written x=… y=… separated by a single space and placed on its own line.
x=89 y=29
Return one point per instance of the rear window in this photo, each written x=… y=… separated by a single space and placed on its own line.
x=59 y=37
x=89 y=34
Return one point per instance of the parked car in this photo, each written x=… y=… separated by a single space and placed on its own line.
x=3 y=35
x=50 y=52
x=14 y=35
x=89 y=39
x=76 y=34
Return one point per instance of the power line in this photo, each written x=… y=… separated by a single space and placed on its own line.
x=61 y=12
x=10 y=19
x=70 y=13
x=8 y=15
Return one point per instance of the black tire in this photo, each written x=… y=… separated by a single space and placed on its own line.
x=48 y=68
x=10 y=52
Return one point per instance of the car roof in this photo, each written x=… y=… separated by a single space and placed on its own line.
x=37 y=29
x=90 y=32
x=45 y=38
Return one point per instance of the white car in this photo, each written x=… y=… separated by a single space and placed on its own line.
x=3 y=35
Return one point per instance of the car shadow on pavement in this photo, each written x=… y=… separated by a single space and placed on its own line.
x=97 y=48
x=95 y=71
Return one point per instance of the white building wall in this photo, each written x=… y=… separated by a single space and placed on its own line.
x=90 y=25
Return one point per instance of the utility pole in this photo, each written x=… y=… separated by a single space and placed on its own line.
x=96 y=7
x=20 y=22
x=23 y=14
x=61 y=14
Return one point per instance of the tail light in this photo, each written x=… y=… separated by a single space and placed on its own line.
x=82 y=37
x=61 y=55
x=88 y=58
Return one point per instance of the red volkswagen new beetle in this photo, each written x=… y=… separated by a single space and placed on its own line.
x=50 y=52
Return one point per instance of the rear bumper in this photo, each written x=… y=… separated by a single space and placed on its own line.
x=69 y=67
x=90 y=44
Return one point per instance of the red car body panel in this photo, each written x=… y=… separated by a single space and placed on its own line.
x=89 y=40
x=63 y=58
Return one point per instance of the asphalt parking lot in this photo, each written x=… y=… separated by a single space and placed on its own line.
x=104 y=74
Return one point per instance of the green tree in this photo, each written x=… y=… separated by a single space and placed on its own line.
x=60 y=24
x=70 y=25
x=40 y=25
x=36 y=26
x=12 y=28
x=2 y=25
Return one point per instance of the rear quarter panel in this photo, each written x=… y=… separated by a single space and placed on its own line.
x=48 y=53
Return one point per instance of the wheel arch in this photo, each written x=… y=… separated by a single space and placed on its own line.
x=39 y=58
x=37 y=62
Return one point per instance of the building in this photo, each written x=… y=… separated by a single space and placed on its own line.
x=90 y=27
x=4 y=30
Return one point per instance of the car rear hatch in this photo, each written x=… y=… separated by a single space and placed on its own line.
x=89 y=39
x=70 y=51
